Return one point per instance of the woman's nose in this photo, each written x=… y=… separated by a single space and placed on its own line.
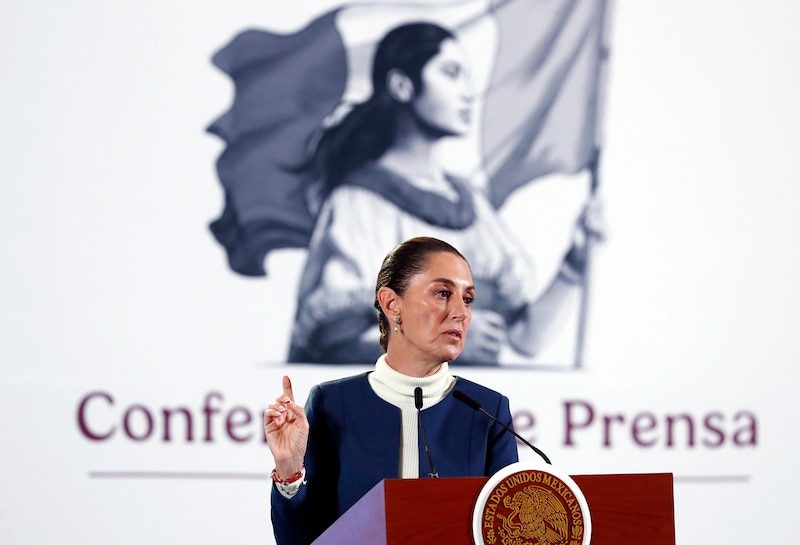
x=467 y=89
x=468 y=93
x=460 y=311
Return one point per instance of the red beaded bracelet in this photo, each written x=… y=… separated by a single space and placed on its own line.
x=294 y=477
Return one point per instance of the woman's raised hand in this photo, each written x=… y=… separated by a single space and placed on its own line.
x=591 y=222
x=286 y=429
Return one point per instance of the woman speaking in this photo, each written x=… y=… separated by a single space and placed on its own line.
x=356 y=431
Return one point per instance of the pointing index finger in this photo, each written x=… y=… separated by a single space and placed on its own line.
x=288 y=394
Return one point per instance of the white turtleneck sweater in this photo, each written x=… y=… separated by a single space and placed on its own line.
x=398 y=389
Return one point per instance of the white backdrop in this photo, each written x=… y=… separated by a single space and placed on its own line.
x=112 y=288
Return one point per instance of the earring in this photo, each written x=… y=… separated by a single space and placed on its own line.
x=396 y=324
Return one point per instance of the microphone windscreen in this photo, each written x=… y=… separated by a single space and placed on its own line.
x=418 y=397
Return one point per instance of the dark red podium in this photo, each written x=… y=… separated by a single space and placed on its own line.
x=628 y=509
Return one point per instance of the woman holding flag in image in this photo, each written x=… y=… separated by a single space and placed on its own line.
x=376 y=181
x=347 y=182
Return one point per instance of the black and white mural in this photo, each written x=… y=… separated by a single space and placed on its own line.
x=377 y=123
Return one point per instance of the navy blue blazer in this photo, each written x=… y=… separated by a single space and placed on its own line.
x=354 y=443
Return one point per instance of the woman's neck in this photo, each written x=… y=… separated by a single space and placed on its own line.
x=415 y=160
x=410 y=368
x=413 y=150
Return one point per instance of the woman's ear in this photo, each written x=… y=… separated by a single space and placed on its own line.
x=399 y=85
x=389 y=301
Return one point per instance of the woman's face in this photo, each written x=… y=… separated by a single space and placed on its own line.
x=445 y=101
x=435 y=311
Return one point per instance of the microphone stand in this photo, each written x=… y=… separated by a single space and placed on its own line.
x=418 y=403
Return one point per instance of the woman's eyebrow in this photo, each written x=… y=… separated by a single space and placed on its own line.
x=450 y=283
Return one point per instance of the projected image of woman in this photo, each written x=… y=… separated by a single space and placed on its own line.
x=376 y=181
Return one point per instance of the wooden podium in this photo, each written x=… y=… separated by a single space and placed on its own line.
x=627 y=509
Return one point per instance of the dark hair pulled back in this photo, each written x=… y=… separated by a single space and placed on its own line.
x=369 y=129
x=405 y=261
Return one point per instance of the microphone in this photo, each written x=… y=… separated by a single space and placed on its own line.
x=464 y=398
x=418 y=404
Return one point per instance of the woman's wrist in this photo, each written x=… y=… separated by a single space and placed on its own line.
x=568 y=275
x=279 y=478
x=286 y=469
x=573 y=267
x=289 y=487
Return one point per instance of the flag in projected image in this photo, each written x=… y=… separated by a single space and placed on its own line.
x=377 y=123
x=538 y=63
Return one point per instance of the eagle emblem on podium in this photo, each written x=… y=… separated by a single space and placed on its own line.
x=535 y=515
x=524 y=506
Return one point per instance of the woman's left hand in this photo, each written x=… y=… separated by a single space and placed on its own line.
x=591 y=223
x=589 y=227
